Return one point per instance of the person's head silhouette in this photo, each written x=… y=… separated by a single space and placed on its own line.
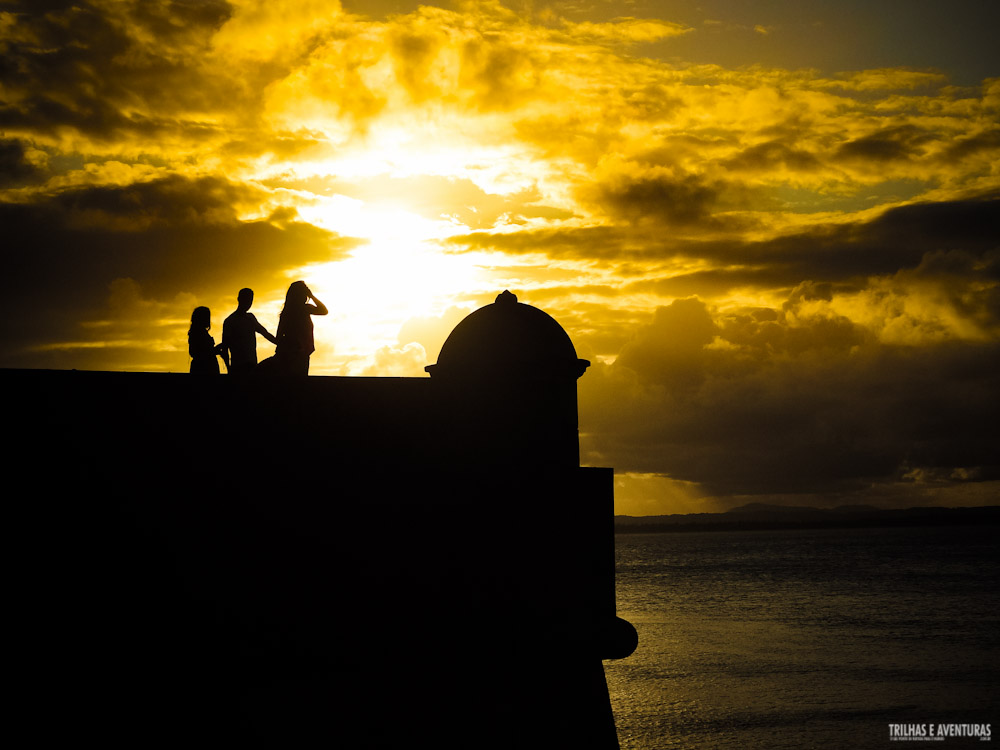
x=297 y=295
x=244 y=299
x=201 y=319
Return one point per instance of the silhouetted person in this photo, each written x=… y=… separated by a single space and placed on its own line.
x=239 y=335
x=201 y=345
x=295 y=330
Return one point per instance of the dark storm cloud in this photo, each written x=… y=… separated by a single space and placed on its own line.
x=974 y=144
x=15 y=168
x=714 y=282
x=800 y=398
x=107 y=72
x=771 y=155
x=669 y=349
x=583 y=243
x=679 y=201
x=968 y=283
x=754 y=402
x=907 y=238
x=171 y=236
x=897 y=239
x=846 y=253
x=889 y=144
x=168 y=200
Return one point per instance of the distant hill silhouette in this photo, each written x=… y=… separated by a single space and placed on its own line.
x=758 y=516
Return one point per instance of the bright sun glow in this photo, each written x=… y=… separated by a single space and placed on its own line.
x=400 y=272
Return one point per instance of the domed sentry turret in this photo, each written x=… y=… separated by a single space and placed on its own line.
x=505 y=340
x=511 y=373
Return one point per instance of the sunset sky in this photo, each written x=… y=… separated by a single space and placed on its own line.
x=773 y=227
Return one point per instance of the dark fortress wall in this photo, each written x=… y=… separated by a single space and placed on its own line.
x=381 y=561
x=348 y=421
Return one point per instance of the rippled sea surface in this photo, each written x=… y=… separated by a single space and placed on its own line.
x=806 y=638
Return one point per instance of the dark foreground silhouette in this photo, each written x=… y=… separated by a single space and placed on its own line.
x=430 y=568
x=295 y=333
x=239 y=335
x=294 y=343
x=201 y=346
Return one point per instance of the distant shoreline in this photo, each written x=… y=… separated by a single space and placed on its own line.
x=764 y=517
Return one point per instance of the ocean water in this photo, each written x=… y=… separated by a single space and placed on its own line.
x=806 y=638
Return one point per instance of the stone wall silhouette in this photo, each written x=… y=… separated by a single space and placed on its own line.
x=371 y=561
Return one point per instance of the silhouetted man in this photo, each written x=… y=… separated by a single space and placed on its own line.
x=239 y=335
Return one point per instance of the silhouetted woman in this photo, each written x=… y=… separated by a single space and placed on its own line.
x=201 y=345
x=295 y=330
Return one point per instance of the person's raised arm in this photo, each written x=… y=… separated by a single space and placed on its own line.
x=320 y=308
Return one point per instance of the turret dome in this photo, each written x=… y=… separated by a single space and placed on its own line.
x=508 y=338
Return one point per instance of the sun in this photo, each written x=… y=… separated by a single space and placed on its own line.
x=400 y=272
x=402 y=268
